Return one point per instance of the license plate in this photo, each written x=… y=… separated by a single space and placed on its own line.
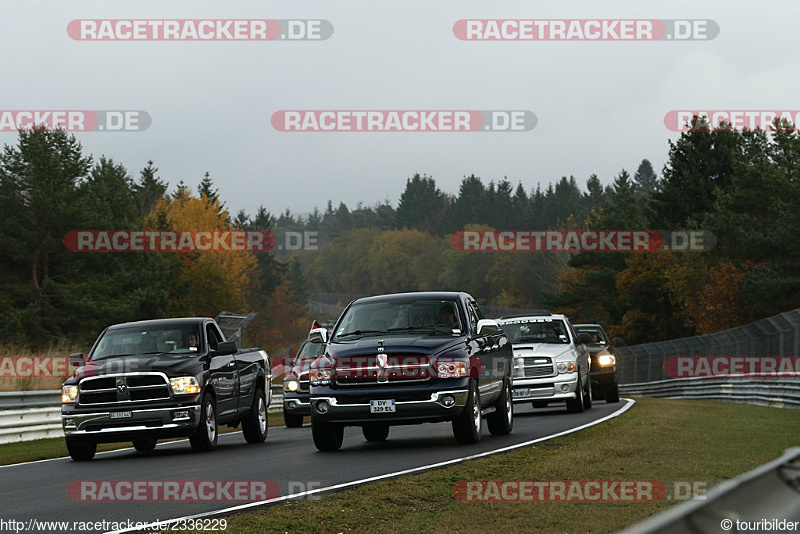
x=518 y=393
x=381 y=406
x=120 y=415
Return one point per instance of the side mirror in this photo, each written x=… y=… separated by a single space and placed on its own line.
x=584 y=338
x=318 y=335
x=617 y=342
x=223 y=349
x=487 y=327
x=76 y=359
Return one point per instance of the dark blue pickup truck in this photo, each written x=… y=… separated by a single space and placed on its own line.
x=410 y=358
x=165 y=378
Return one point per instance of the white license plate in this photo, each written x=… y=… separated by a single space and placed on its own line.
x=519 y=393
x=381 y=406
x=120 y=415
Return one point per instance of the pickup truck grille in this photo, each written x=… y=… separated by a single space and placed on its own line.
x=304 y=384
x=397 y=371
x=115 y=389
x=535 y=367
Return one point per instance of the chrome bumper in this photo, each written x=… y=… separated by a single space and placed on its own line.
x=409 y=411
x=547 y=389
x=147 y=420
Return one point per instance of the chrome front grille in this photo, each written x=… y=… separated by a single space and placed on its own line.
x=397 y=370
x=125 y=388
x=534 y=367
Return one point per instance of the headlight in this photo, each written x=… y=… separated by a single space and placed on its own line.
x=184 y=385
x=566 y=367
x=606 y=359
x=319 y=377
x=291 y=385
x=452 y=369
x=69 y=393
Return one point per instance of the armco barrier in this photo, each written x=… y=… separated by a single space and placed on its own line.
x=770 y=492
x=30 y=415
x=774 y=391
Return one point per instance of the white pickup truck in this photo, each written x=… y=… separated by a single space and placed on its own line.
x=551 y=361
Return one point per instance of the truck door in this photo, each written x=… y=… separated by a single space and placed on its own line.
x=222 y=375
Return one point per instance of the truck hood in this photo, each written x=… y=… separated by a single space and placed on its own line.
x=169 y=364
x=552 y=350
x=426 y=344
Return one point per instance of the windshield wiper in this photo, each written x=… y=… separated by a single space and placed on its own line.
x=435 y=329
x=361 y=333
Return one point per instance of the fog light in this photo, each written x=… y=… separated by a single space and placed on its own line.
x=183 y=414
x=322 y=407
x=564 y=387
x=292 y=404
x=448 y=401
x=69 y=423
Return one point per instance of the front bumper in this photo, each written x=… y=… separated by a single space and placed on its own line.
x=297 y=403
x=430 y=409
x=147 y=423
x=555 y=388
x=604 y=377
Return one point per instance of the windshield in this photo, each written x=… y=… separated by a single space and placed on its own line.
x=599 y=338
x=433 y=316
x=172 y=339
x=308 y=353
x=535 y=331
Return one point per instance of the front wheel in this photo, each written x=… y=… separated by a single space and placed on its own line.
x=576 y=405
x=292 y=420
x=327 y=436
x=144 y=445
x=81 y=451
x=205 y=437
x=467 y=426
x=502 y=420
x=587 y=395
x=612 y=394
x=254 y=426
x=375 y=432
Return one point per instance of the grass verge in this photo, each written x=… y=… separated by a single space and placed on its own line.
x=658 y=439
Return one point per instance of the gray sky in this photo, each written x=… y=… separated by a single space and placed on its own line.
x=600 y=105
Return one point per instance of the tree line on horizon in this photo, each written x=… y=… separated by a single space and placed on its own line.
x=741 y=186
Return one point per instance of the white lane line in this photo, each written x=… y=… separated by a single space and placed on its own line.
x=628 y=405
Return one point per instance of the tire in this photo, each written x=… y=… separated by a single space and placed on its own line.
x=375 y=432
x=255 y=425
x=612 y=394
x=576 y=405
x=501 y=421
x=144 y=445
x=587 y=396
x=81 y=451
x=292 y=420
x=467 y=426
x=205 y=437
x=327 y=436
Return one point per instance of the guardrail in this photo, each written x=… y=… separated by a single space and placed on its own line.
x=773 y=391
x=30 y=415
x=770 y=492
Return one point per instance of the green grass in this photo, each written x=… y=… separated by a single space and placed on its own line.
x=666 y=440
x=41 y=449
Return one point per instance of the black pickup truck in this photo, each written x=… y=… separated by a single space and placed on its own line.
x=410 y=358
x=164 y=378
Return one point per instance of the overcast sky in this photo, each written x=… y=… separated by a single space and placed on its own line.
x=600 y=105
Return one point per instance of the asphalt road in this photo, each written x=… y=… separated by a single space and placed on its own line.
x=38 y=490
